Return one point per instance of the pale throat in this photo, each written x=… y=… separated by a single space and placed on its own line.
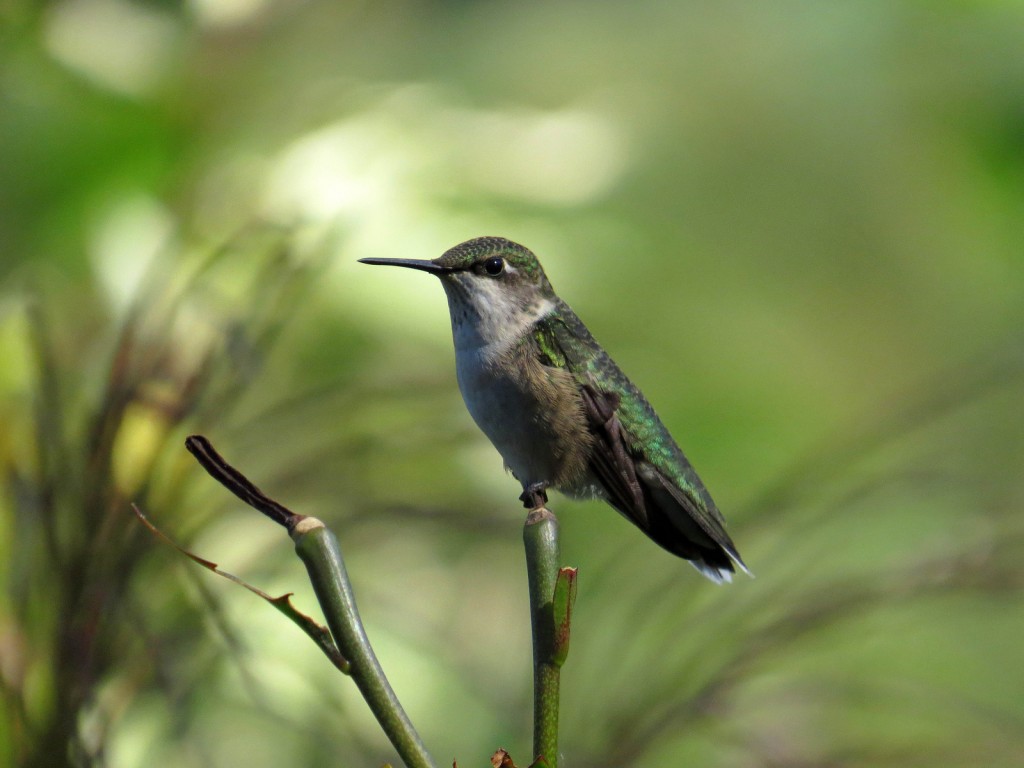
x=488 y=320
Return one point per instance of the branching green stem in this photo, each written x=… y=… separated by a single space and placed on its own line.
x=540 y=536
x=319 y=550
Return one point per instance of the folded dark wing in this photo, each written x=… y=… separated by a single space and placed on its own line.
x=643 y=472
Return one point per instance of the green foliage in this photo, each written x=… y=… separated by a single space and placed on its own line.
x=796 y=228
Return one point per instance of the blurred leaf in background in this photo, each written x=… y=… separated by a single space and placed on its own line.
x=798 y=228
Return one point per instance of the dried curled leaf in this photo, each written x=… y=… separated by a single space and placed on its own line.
x=320 y=634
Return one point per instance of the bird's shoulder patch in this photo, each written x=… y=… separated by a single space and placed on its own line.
x=550 y=350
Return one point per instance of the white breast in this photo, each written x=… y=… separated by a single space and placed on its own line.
x=498 y=400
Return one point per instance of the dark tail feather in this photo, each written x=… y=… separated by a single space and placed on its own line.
x=678 y=525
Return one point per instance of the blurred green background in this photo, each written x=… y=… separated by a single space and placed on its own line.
x=799 y=227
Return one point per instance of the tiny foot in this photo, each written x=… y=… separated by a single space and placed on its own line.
x=534 y=495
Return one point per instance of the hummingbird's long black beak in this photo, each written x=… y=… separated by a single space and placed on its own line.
x=420 y=264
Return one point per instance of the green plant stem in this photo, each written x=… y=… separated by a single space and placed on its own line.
x=540 y=536
x=319 y=550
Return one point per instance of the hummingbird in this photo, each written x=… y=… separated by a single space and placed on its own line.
x=560 y=411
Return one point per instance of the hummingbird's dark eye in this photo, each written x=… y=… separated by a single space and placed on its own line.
x=494 y=266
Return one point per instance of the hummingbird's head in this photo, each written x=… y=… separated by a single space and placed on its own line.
x=495 y=287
